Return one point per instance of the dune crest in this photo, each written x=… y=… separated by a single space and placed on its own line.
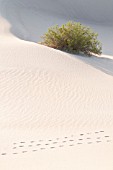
x=56 y=109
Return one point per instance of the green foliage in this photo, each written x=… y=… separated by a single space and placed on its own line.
x=72 y=37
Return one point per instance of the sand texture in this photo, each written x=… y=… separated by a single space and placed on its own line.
x=56 y=109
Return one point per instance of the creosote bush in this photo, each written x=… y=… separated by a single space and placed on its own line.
x=73 y=37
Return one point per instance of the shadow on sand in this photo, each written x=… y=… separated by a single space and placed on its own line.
x=103 y=64
x=21 y=28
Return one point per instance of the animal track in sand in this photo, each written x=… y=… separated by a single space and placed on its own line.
x=24 y=151
x=34 y=150
x=15 y=153
x=89 y=142
x=29 y=145
x=4 y=154
x=73 y=140
x=79 y=143
x=14 y=147
x=72 y=145
x=21 y=146
x=52 y=147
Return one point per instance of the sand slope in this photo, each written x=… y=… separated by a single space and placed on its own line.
x=56 y=109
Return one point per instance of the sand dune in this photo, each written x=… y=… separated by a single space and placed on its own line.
x=56 y=109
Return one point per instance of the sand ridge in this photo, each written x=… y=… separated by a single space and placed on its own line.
x=56 y=109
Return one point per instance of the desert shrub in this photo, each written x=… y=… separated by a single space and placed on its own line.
x=72 y=37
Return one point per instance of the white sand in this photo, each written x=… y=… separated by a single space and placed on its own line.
x=56 y=109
